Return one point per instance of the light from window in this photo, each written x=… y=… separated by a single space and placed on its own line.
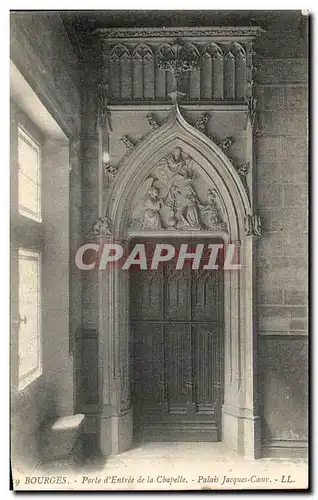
x=29 y=159
x=30 y=365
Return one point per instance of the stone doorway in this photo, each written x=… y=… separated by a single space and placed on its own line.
x=211 y=170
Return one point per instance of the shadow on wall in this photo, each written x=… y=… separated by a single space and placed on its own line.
x=284 y=389
x=30 y=410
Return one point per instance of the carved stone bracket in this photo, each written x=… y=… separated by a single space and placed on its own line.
x=202 y=122
x=103 y=226
x=130 y=145
x=226 y=144
x=152 y=121
x=253 y=225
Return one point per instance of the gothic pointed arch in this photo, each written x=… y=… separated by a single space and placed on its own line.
x=206 y=170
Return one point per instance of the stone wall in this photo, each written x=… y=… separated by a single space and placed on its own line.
x=44 y=56
x=282 y=190
x=41 y=50
x=280 y=198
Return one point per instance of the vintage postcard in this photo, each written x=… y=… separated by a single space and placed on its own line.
x=159 y=183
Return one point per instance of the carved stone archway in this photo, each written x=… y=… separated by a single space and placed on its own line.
x=241 y=424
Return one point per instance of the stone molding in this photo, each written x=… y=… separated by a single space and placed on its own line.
x=185 y=32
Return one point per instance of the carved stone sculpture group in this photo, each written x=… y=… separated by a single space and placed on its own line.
x=169 y=199
x=185 y=211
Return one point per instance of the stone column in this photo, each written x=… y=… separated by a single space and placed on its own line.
x=241 y=423
x=90 y=379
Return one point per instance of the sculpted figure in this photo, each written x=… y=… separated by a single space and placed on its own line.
x=184 y=208
x=151 y=210
x=178 y=163
x=211 y=213
x=191 y=208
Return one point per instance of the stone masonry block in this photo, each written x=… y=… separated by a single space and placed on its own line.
x=279 y=71
x=294 y=172
x=269 y=172
x=268 y=149
x=296 y=97
x=296 y=244
x=288 y=220
x=283 y=268
x=295 y=149
x=269 y=195
x=270 y=245
x=271 y=296
x=283 y=122
x=271 y=98
x=295 y=195
x=297 y=296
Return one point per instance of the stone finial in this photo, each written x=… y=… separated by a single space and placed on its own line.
x=152 y=121
x=244 y=169
x=226 y=143
x=130 y=145
x=202 y=122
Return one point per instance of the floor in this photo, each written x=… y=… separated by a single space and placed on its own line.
x=183 y=466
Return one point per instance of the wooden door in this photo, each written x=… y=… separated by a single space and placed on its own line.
x=177 y=353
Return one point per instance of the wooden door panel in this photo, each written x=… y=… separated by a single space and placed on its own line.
x=146 y=295
x=177 y=365
x=207 y=358
x=207 y=296
x=177 y=294
x=148 y=362
x=177 y=355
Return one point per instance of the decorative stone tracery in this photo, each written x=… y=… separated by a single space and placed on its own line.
x=217 y=70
